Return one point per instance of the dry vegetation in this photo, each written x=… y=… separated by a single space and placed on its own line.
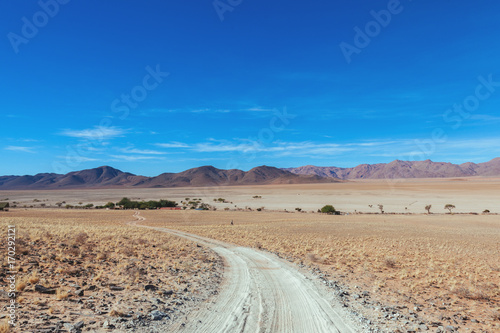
x=98 y=269
x=436 y=269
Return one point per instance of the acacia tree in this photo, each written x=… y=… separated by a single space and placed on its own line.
x=381 y=207
x=428 y=208
x=449 y=207
x=328 y=209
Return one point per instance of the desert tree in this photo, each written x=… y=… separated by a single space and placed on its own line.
x=381 y=207
x=428 y=208
x=449 y=207
x=328 y=209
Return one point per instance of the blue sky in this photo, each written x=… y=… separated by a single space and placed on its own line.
x=163 y=86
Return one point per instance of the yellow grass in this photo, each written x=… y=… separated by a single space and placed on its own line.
x=70 y=247
x=400 y=259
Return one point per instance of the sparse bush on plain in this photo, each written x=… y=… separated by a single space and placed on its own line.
x=328 y=209
x=450 y=207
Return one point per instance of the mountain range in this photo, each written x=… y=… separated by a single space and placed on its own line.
x=404 y=169
x=108 y=177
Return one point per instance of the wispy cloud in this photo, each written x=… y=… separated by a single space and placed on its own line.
x=173 y=144
x=21 y=149
x=259 y=109
x=96 y=133
x=135 y=157
x=411 y=149
x=141 y=151
x=81 y=159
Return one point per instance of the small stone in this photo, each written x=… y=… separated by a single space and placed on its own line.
x=68 y=326
x=79 y=292
x=79 y=325
x=116 y=288
x=450 y=328
x=107 y=324
x=157 y=315
x=423 y=327
x=44 y=290
x=151 y=287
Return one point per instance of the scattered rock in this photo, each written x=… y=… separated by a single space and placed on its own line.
x=107 y=325
x=79 y=325
x=157 y=315
x=116 y=288
x=43 y=290
x=69 y=327
x=151 y=287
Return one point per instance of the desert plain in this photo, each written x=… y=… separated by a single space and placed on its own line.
x=401 y=270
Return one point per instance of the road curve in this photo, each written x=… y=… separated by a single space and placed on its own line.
x=260 y=293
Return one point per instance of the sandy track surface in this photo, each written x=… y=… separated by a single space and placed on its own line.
x=260 y=293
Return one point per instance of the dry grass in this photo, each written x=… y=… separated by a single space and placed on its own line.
x=4 y=327
x=64 y=249
x=412 y=259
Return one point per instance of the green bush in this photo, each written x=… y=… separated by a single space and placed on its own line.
x=328 y=209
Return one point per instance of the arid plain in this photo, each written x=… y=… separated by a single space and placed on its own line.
x=404 y=269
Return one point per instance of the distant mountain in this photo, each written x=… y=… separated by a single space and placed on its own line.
x=108 y=177
x=404 y=169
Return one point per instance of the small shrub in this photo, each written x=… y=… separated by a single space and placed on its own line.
x=81 y=238
x=390 y=262
x=449 y=207
x=20 y=285
x=328 y=209
x=61 y=294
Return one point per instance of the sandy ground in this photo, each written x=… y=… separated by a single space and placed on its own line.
x=86 y=270
x=262 y=293
x=401 y=272
x=401 y=196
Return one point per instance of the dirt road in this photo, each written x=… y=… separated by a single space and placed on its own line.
x=261 y=293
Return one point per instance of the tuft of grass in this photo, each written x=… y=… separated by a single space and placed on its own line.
x=34 y=278
x=4 y=327
x=61 y=294
x=20 y=285
x=117 y=313
x=390 y=262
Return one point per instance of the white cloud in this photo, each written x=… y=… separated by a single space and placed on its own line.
x=403 y=149
x=135 y=157
x=96 y=133
x=259 y=109
x=141 y=151
x=21 y=149
x=173 y=144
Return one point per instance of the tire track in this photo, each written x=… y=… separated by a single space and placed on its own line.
x=260 y=293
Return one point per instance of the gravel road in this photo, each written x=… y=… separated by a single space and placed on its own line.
x=262 y=293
